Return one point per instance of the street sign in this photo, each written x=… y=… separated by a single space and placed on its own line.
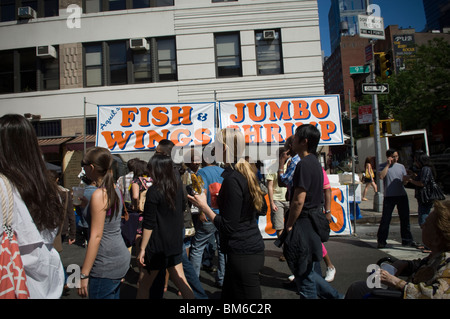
x=375 y=88
x=371 y=27
x=365 y=114
x=359 y=69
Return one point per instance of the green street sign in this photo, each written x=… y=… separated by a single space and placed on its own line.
x=361 y=69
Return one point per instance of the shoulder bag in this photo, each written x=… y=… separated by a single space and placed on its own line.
x=12 y=274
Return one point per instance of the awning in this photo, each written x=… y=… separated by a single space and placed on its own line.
x=77 y=144
x=51 y=145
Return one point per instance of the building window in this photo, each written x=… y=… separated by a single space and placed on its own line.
x=7 y=10
x=114 y=5
x=7 y=72
x=47 y=128
x=22 y=71
x=117 y=63
x=167 y=66
x=142 y=66
x=48 y=73
x=43 y=8
x=268 y=52
x=93 y=57
x=50 y=8
x=91 y=6
x=228 y=55
x=28 y=77
x=126 y=66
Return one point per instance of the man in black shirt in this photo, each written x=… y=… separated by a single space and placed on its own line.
x=303 y=246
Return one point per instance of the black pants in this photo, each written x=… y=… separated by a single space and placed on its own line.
x=389 y=204
x=242 y=279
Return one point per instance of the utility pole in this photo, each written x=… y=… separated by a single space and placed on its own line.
x=378 y=199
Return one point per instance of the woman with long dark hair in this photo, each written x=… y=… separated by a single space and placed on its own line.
x=38 y=209
x=107 y=257
x=425 y=177
x=162 y=238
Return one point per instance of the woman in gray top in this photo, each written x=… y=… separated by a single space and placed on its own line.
x=107 y=258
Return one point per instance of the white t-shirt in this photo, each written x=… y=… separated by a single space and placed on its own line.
x=42 y=263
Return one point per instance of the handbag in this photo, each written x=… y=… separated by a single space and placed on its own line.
x=129 y=225
x=431 y=192
x=12 y=274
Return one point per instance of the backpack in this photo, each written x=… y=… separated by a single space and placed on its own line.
x=12 y=274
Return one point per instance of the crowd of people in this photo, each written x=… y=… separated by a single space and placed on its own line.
x=183 y=214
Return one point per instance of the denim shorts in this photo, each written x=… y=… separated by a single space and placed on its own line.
x=104 y=288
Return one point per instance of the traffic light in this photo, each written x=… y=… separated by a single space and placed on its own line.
x=377 y=70
x=385 y=65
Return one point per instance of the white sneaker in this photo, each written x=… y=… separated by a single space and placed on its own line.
x=330 y=274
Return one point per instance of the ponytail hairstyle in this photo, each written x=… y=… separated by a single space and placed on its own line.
x=22 y=163
x=102 y=161
x=234 y=146
x=162 y=173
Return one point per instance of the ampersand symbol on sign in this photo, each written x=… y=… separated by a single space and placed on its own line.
x=202 y=117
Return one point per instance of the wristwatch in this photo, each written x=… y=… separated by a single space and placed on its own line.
x=83 y=276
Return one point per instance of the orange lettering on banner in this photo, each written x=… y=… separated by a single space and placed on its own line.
x=202 y=139
x=160 y=117
x=240 y=113
x=139 y=139
x=155 y=137
x=327 y=128
x=252 y=111
x=273 y=133
x=183 y=113
x=301 y=111
x=279 y=113
x=269 y=227
x=175 y=137
x=145 y=111
x=255 y=133
x=325 y=109
x=118 y=138
x=128 y=115
x=336 y=210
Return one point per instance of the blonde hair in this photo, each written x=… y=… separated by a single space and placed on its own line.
x=234 y=143
x=442 y=212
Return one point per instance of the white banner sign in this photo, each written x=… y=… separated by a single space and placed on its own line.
x=139 y=127
x=340 y=212
x=273 y=120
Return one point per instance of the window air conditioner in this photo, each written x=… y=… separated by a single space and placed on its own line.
x=46 y=51
x=139 y=44
x=26 y=13
x=269 y=34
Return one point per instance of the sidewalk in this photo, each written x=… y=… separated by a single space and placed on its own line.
x=370 y=216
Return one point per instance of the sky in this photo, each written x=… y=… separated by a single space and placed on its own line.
x=404 y=13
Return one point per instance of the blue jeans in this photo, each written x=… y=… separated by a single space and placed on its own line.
x=424 y=210
x=203 y=233
x=104 y=288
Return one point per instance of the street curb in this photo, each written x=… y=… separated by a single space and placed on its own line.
x=374 y=218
